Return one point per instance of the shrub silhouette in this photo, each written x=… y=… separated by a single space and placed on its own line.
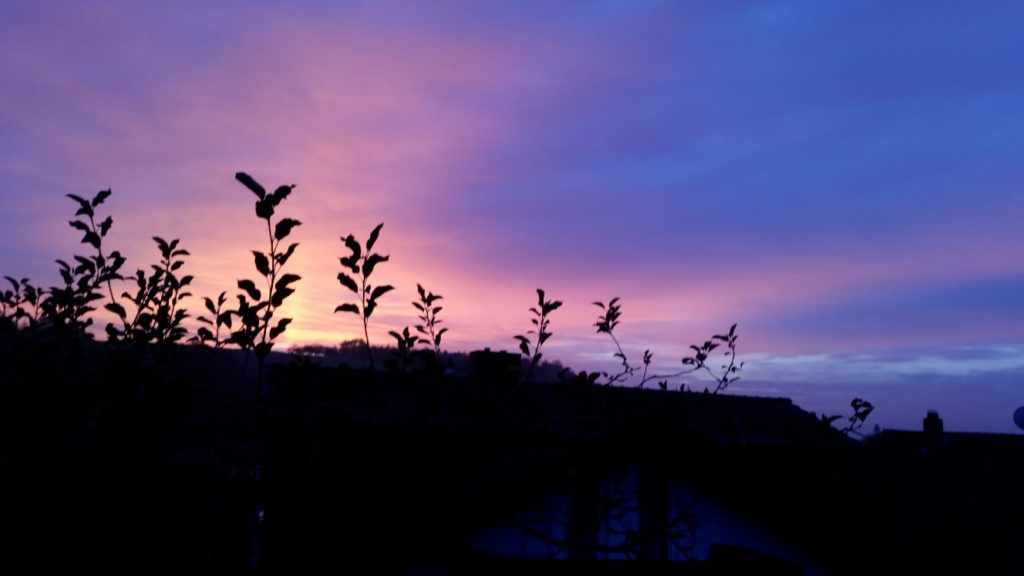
x=428 y=327
x=855 y=421
x=606 y=324
x=65 y=307
x=609 y=320
x=256 y=313
x=406 y=344
x=220 y=317
x=702 y=353
x=157 y=318
x=541 y=320
x=362 y=264
x=21 y=302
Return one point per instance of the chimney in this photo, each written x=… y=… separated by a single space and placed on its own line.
x=932 y=426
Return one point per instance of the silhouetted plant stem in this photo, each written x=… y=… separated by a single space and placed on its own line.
x=609 y=320
x=22 y=302
x=157 y=318
x=219 y=318
x=406 y=344
x=270 y=282
x=362 y=265
x=99 y=252
x=723 y=382
x=256 y=316
x=861 y=410
x=65 y=308
x=429 y=321
x=606 y=323
x=366 y=326
x=541 y=320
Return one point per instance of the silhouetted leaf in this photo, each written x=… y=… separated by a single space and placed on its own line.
x=262 y=262
x=251 y=184
x=280 y=328
x=264 y=209
x=524 y=344
x=281 y=193
x=100 y=197
x=380 y=291
x=348 y=282
x=371 y=263
x=284 y=228
x=165 y=250
x=263 y=349
x=81 y=201
x=350 y=262
x=373 y=237
x=91 y=238
x=225 y=320
x=352 y=244
x=79 y=225
x=285 y=280
x=116 y=309
x=85 y=265
x=347 y=308
x=250 y=287
x=283 y=257
x=370 y=307
x=280 y=295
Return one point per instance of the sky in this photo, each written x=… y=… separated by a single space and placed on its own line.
x=842 y=180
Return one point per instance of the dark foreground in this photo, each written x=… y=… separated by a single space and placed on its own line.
x=117 y=464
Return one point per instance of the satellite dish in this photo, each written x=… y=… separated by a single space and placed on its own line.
x=1018 y=417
